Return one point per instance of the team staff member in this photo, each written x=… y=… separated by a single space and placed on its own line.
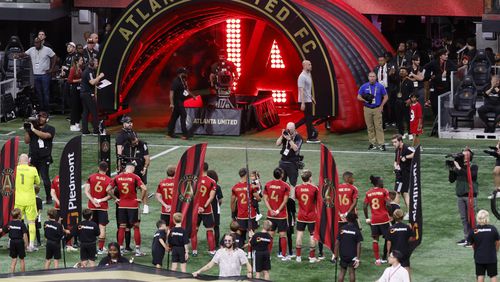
x=290 y=142
x=240 y=203
x=95 y=189
x=307 y=196
x=25 y=197
x=348 y=247
x=438 y=72
x=126 y=184
x=90 y=79
x=404 y=89
x=399 y=237
x=306 y=101
x=402 y=168
x=123 y=136
x=377 y=198
x=276 y=193
x=374 y=96
x=40 y=140
x=216 y=203
x=164 y=194
x=136 y=151
x=179 y=92
x=348 y=197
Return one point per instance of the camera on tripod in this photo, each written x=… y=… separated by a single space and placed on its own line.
x=456 y=157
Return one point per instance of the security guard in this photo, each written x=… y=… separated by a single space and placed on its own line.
x=136 y=151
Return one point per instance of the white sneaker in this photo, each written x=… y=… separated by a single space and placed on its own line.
x=74 y=128
x=31 y=249
x=102 y=252
x=405 y=135
x=286 y=258
x=212 y=253
x=491 y=196
x=298 y=259
x=258 y=217
x=313 y=260
x=383 y=261
x=280 y=256
x=70 y=248
x=293 y=256
x=406 y=217
x=410 y=137
x=138 y=253
x=321 y=257
x=145 y=209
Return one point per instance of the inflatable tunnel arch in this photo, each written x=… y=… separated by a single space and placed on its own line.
x=341 y=44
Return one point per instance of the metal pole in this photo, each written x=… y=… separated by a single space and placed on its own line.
x=249 y=201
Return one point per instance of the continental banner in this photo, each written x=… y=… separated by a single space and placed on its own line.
x=70 y=181
x=206 y=121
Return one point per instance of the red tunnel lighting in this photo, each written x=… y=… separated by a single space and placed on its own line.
x=276 y=59
x=279 y=96
x=233 y=46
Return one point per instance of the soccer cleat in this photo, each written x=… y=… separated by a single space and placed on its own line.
x=292 y=255
x=258 y=217
x=378 y=262
x=102 y=251
x=468 y=245
x=138 y=253
x=280 y=255
x=405 y=135
x=73 y=128
x=145 y=209
x=313 y=260
x=382 y=148
x=71 y=249
x=383 y=261
x=497 y=195
x=211 y=253
x=462 y=242
x=321 y=257
x=195 y=253
x=31 y=249
x=286 y=258
x=299 y=259
x=410 y=137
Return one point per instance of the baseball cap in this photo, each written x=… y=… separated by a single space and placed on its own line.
x=90 y=41
x=72 y=44
x=126 y=119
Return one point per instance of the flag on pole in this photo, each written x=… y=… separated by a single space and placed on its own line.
x=8 y=163
x=188 y=172
x=70 y=181
x=470 y=206
x=415 y=190
x=326 y=228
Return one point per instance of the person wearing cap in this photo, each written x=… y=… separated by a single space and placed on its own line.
x=404 y=88
x=179 y=92
x=123 y=136
x=89 y=52
x=40 y=138
x=90 y=79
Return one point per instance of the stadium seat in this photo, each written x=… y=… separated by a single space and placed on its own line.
x=464 y=103
x=480 y=70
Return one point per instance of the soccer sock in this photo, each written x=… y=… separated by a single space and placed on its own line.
x=312 y=253
x=32 y=232
x=384 y=251
x=283 y=246
x=217 y=234
x=375 y=250
x=128 y=236
x=210 y=239
x=298 y=250
x=194 y=242
x=121 y=236
x=101 y=243
x=271 y=245
x=137 y=236
x=289 y=240
x=38 y=239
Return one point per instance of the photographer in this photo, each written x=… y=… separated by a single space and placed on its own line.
x=39 y=135
x=290 y=142
x=458 y=175
x=136 y=151
x=123 y=136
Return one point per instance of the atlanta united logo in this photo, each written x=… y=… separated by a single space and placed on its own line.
x=105 y=146
x=6 y=187
x=187 y=188
x=328 y=191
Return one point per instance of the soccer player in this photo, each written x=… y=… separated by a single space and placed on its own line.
x=18 y=239
x=377 y=198
x=348 y=247
x=95 y=189
x=398 y=238
x=178 y=240
x=241 y=203
x=348 y=197
x=164 y=194
x=159 y=243
x=53 y=233
x=206 y=194
x=126 y=184
x=307 y=195
x=25 y=197
x=87 y=232
x=276 y=193
x=260 y=243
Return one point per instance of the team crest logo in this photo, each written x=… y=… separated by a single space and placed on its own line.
x=6 y=187
x=328 y=193
x=187 y=188
x=105 y=146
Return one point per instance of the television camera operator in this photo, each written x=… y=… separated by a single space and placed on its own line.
x=39 y=135
x=458 y=175
x=136 y=151
x=291 y=160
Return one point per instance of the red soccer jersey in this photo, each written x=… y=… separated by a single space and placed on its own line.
x=127 y=184
x=376 y=198
x=166 y=190
x=415 y=117
x=55 y=186
x=206 y=185
x=239 y=190
x=276 y=190
x=98 y=184
x=347 y=194
x=306 y=194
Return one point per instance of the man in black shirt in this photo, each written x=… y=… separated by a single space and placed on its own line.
x=491 y=105
x=90 y=79
x=348 y=247
x=123 y=136
x=290 y=142
x=260 y=243
x=18 y=235
x=179 y=92
x=216 y=204
x=438 y=72
x=404 y=89
x=398 y=238
x=402 y=167
x=136 y=151
x=88 y=231
x=39 y=136
x=53 y=233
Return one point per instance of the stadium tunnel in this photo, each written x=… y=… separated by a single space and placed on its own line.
x=154 y=37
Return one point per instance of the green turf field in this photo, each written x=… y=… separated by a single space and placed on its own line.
x=437 y=259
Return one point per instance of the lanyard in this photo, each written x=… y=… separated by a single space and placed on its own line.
x=370 y=89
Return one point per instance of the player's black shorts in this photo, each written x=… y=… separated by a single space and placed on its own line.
x=165 y=217
x=244 y=224
x=301 y=226
x=280 y=224
x=380 y=229
x=405 y=261
x=490 y=268
x=178 y=254
x=402 y=184
x=100 y=217
x=88 y=251
x=53 y=250
x=16 y=249
x=262 y=261
x=128 y=216
x=208 y=220
x=217 y=219
x=158 y=255
x=346 y=263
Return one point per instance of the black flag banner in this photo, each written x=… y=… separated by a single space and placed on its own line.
x=8 y=163
x=326 y=228
x=415 y=191
x=188 y=172
x=70 y=181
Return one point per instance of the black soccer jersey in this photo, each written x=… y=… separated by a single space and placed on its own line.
x=260 y=241
x=399 y=234
x=484 y=237
x=53 y=230
x=159 y=234
x=16 y=229
x=349 y=236
x=178 y=237
x=88 y=231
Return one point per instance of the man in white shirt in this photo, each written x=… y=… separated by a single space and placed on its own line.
x=395 y=273
x=306 y=101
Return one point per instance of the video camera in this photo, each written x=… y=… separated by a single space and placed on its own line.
x=368 y=97
x=458 y=157
x=124 y=160
x=286 y=132
x=28 y=122
x=492 y=151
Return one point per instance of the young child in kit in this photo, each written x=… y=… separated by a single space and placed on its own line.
x=416 y=119
x=260 y=243
x=88 y=231
x=159 y=243
x=18 y=235
x=54 y=232
x=178 y=241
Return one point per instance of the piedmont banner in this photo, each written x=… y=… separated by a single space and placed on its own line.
x=188 y=172
x=326 y=228
x=8 y=163
x=209 y=121
x=70 y=180
x=415 y=191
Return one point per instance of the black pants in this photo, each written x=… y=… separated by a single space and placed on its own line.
x=291 y=172
x=402 y=115
x=89 y=107
x=308 y=120
x=76 y=104
x=179 y=111
x=388 y=114
x=42 y=166
x=485 y=109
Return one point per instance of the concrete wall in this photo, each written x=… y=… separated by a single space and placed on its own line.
x=77 y=28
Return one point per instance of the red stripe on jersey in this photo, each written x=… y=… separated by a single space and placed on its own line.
x=166 y=190
x=307 y=195
x=206 y=186
x=376 y=198
x=276 y=191
x=98 y=184
x=127 y=184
